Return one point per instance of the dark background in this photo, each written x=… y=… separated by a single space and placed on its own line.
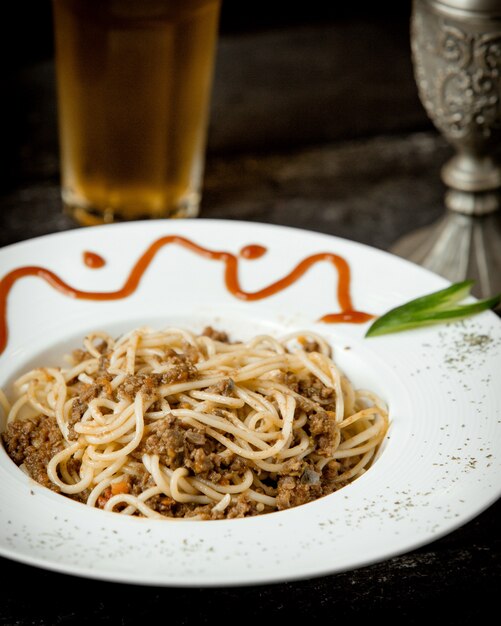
x=28 y=25
x=325 y=82
x=316 y=123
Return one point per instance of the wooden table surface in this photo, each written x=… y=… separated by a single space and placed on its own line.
x=317 y=127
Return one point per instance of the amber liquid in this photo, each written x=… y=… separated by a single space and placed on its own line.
x=134 y=80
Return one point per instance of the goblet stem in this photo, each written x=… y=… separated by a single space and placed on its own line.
x=456 y=46
x=459 y=247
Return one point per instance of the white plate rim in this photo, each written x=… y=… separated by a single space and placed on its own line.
x=208 y=577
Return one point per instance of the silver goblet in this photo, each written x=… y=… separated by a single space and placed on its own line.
x=456 y=49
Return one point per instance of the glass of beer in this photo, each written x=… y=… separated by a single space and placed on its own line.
x=134 y=81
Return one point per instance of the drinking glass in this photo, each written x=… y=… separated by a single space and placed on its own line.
x=133 y=82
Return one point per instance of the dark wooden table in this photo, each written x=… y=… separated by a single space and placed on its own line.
x=316 y=127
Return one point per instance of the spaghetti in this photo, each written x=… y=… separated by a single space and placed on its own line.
x=170 y=424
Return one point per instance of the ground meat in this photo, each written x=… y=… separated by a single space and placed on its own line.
x=238 y=464
x=293 y=467
x=78 y=408
x=216 y=335
x=311 y=390
x=331 y=471
x=34 y=442
x=140 y=482
x=104 y=364
x=310 y=345
x=289 y=379
x=324 y=429
x=195 y=436
x=181 y=369
x=166 y=438
x=191 y=352
x=224 y=387
x=241 y=507
x=293 y=492
x=315 y=390
x=200 y=462
x=103 y=498
x=101 y=387
x=164 y=504
x=144 y=384
x=178 y=445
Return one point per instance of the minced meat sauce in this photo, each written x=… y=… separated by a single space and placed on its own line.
x=33 y=442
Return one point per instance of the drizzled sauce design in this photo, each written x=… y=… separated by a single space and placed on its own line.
x=93 y=260
x=230 y=261
x=252 y=251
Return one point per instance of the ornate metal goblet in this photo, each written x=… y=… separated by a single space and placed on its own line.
x=456 y=47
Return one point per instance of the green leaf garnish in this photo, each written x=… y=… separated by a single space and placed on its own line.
x=434 y=308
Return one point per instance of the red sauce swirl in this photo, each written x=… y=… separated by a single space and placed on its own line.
x=93 y=260
x=253 y=251
x=347 y=314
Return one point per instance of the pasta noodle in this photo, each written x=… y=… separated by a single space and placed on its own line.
x=171 y=424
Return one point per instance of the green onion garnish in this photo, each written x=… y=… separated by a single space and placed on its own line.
x=434 y=308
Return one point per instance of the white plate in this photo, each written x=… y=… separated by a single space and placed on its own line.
x=439 y=465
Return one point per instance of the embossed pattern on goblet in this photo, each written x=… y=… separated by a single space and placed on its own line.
x=456 y=47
